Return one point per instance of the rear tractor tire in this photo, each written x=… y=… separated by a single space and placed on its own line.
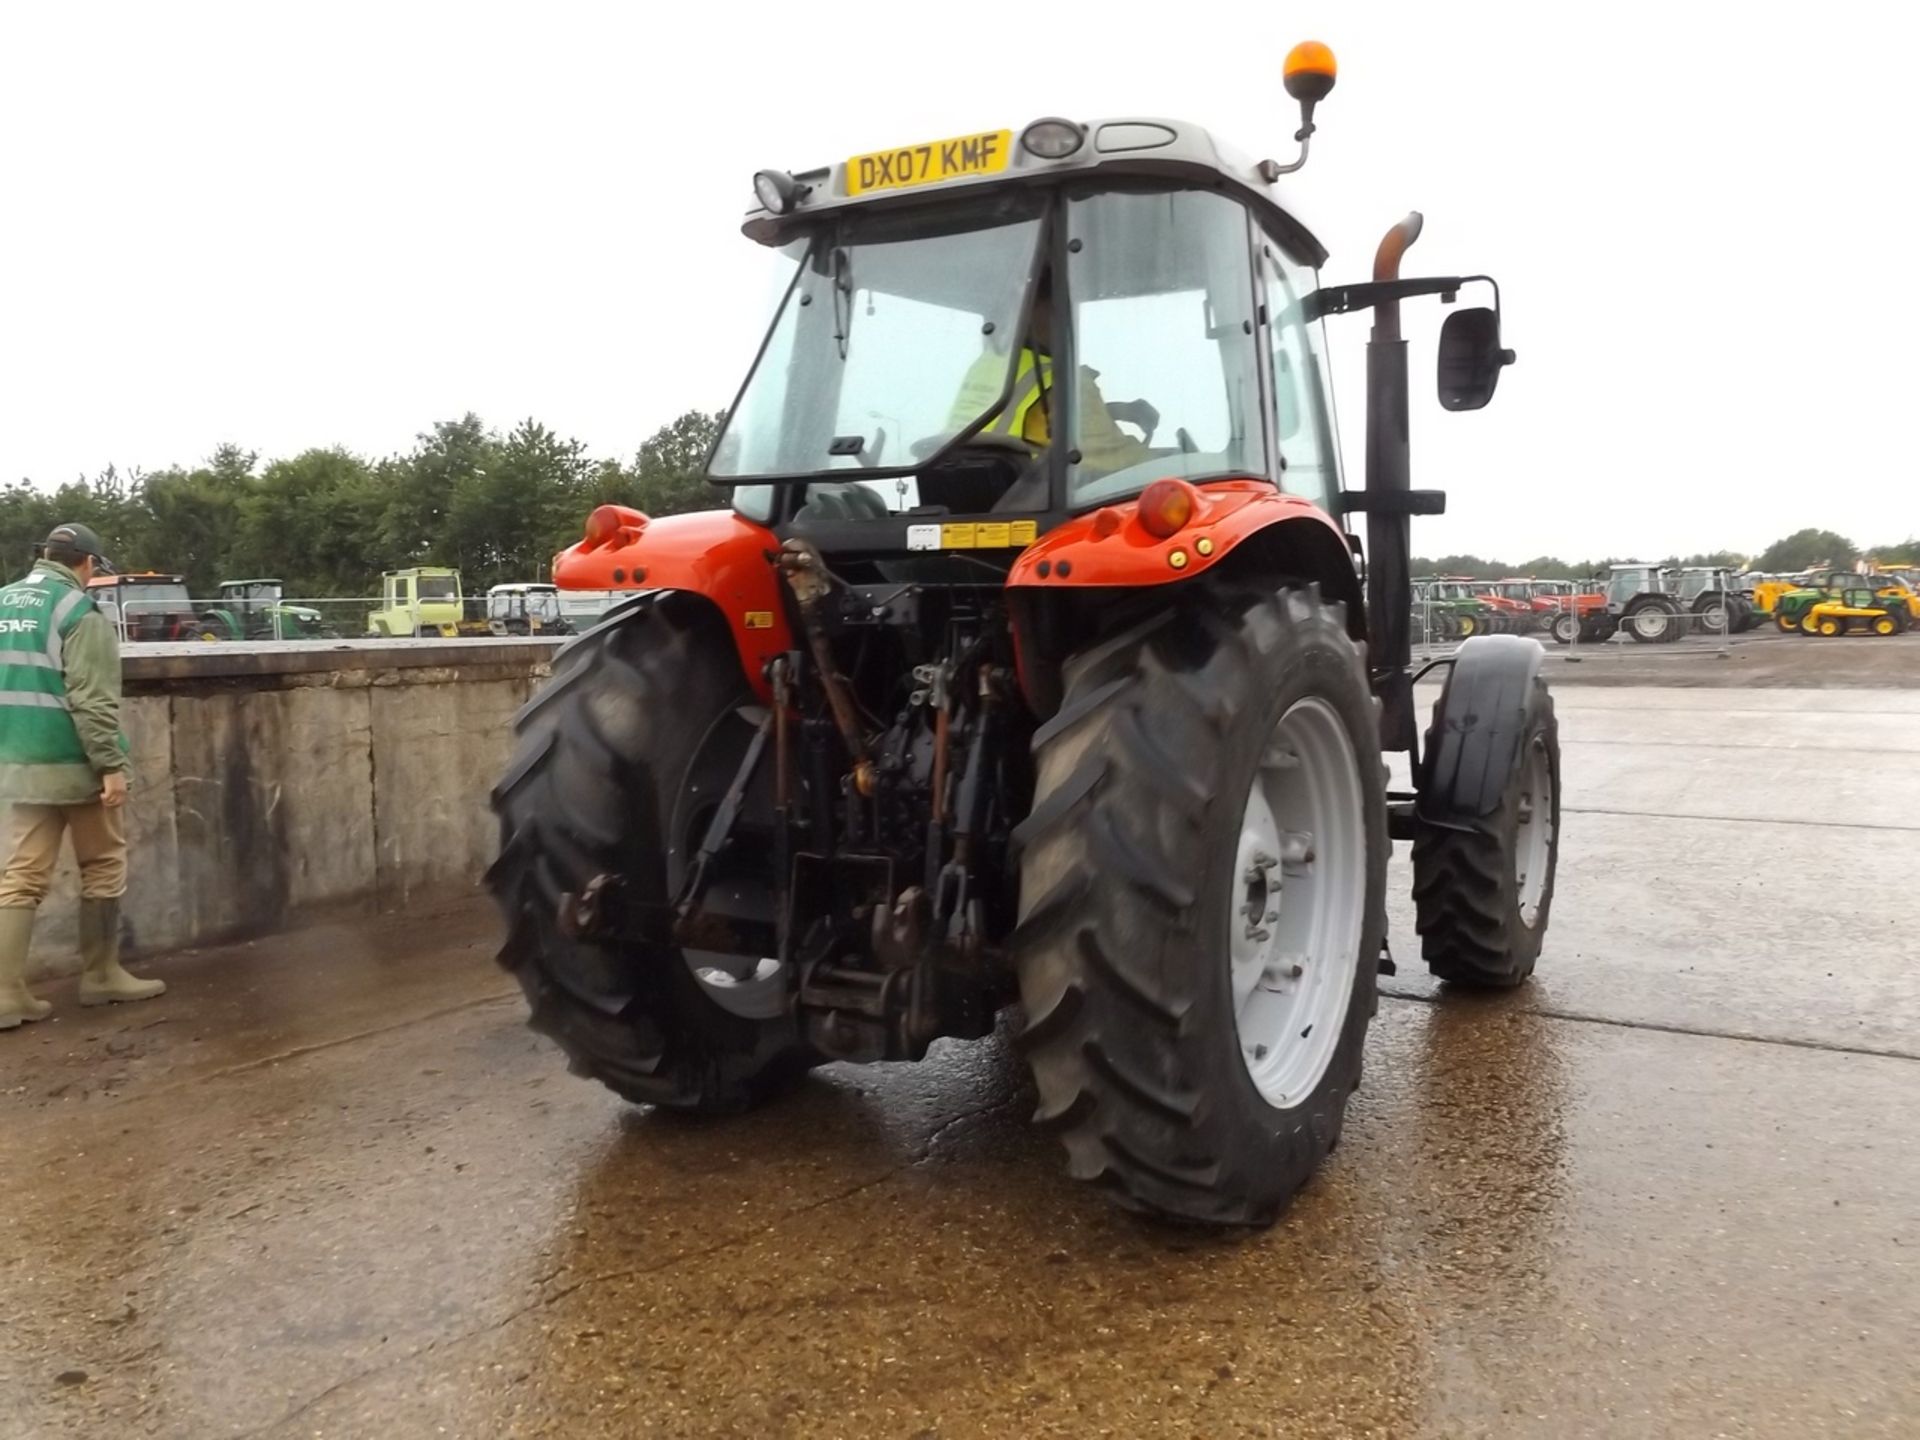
x=618 y=764
x=1203 y=900
x=1483 y=886
x=1565 y=627
x=1651 y=620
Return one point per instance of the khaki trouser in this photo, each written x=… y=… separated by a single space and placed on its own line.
x=33 y=846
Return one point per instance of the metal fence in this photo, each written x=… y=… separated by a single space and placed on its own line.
x=174 y=619
x=1440 y=626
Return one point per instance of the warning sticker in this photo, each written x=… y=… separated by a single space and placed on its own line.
x=759 y=619
x=973 y=535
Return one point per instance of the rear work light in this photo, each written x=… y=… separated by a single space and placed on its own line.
x=1166 y=508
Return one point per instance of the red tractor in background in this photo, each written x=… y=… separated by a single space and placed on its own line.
x=1576 y=611
x=1509 y=602
x=998 y=687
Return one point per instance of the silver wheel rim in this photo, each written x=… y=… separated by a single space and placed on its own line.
x=1533 y=839
x=1716 y=618
x=1651 y=622
x=1298 y=902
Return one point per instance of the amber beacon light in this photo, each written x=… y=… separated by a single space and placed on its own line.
x=1309 y=74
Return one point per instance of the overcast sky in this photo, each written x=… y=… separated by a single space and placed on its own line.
x=297 y=224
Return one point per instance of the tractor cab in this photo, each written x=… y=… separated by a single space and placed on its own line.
x=145 y=605
x=1624 y=582
x=986 y=335
x=257 y=610
x=532 y=609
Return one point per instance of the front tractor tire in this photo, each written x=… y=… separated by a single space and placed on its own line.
x=1487 y=845
x=1203 y=900
x=645 y=715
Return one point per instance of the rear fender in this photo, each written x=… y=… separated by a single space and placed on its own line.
x=716 y=554
x=1478 y=727
x=1084 y=576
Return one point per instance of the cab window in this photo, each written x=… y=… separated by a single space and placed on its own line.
x=1163 y=311
x=1302 y=424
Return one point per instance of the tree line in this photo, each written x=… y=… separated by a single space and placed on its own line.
x=1803 y=550
x=499 y=506
x=327 y=521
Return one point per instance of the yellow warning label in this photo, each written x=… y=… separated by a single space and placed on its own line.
x=992 y=535
x=1024 y=532
x=958 y=536
x=759 y=619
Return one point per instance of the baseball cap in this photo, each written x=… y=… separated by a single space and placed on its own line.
x=82 y=538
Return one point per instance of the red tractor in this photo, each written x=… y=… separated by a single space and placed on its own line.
x=1030 y=668
x=1573 y=611
x=1509 y=605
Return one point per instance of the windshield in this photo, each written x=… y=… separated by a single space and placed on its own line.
x=1626 y=584
x=892 y=340
x=154 y=599
x=436 y=587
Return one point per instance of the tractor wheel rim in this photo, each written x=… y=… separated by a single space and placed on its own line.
x=1533 y=837
x=1651 y=622
x=1298 y=902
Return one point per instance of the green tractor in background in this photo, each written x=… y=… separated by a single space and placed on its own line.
x=1446 y=609
x=257 y=610
x=1793 y=610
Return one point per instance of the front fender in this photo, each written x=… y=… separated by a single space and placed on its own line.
x=1478 y=727
x=717 y=554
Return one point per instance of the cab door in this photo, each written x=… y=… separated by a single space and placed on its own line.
x=1300 y=412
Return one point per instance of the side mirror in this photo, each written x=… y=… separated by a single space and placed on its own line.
x=1470 y=358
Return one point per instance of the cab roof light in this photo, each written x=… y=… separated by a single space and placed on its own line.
x=1052 y=138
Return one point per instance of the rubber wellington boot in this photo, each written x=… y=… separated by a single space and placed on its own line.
x=16 y=1001
x=102 y=981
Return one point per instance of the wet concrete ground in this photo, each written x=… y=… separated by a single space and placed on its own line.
x=329 y=1186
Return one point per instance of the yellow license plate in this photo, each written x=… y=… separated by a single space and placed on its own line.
x=983 y=154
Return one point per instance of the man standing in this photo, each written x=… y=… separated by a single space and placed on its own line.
x=63 y=765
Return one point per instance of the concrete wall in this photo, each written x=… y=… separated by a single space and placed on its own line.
x=274 y=782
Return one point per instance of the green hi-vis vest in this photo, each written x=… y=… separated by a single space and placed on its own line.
x=37 y=615
x=1033 y=376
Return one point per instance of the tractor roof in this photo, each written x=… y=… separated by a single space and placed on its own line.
x=144 y=577
x=994 y=161
x=229 y=584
